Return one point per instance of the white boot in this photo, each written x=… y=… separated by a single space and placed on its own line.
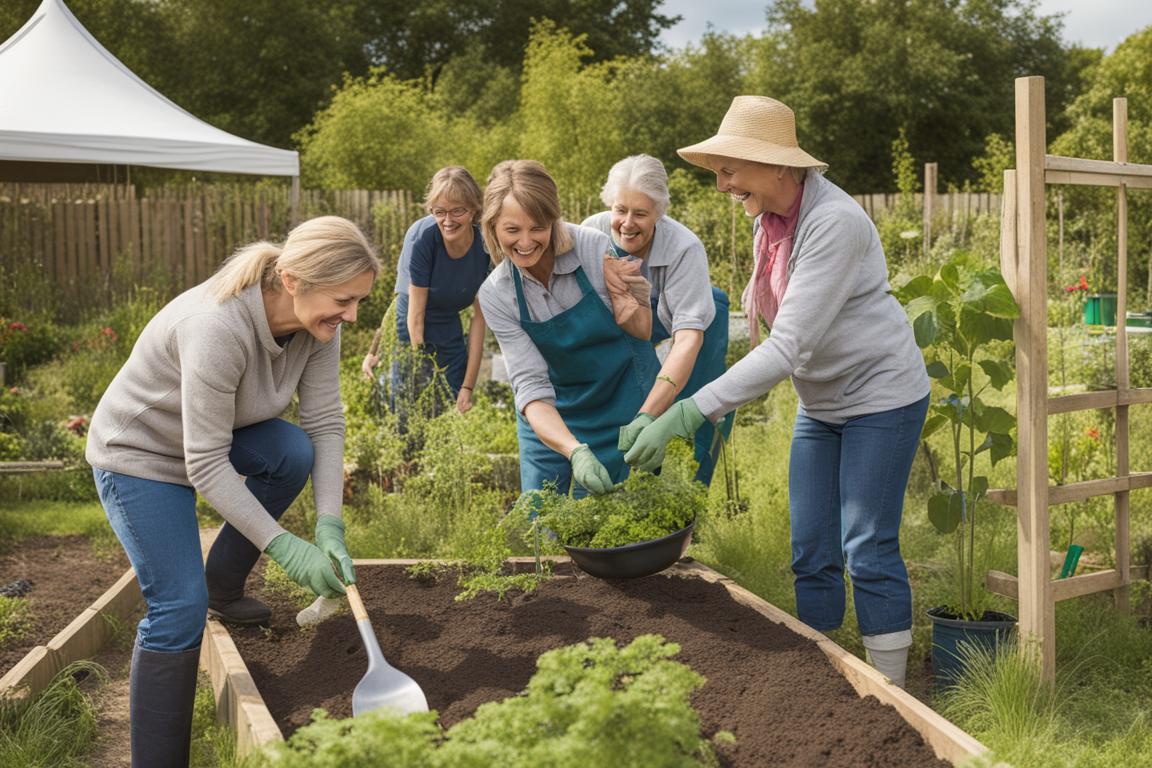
x=321 y=609
x=889 y=654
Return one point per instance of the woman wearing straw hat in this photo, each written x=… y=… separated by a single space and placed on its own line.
x=686 y=307
x=820 y=283
x=573 y=324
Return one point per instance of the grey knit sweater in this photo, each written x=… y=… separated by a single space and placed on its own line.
x=202 y=369
x=840 y=334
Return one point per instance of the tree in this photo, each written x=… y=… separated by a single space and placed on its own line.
x=418 y=39
x=858 y=71
x=572 y=116
x=379 y=132
x=679 y=98
x=1126 y=72
x=259 y=68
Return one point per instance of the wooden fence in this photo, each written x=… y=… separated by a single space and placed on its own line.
x=78 y=235
x=949 y=205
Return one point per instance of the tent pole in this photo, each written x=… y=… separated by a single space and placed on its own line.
x=294 y=203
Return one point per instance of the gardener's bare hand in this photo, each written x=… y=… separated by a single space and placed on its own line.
x=370 y=362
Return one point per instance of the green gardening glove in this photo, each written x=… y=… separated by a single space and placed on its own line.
x=588 y=471
x=330 y=539
x=630 y=431
x=681 y=420
x=305 y=564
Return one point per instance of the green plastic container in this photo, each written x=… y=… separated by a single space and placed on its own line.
x=1139 y=320
x=1100 y=309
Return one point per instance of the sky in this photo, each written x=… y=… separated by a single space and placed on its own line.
x=1092 y=23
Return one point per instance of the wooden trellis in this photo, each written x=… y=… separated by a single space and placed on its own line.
x=1024 y=262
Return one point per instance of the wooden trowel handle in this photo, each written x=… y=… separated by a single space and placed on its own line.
x=357 y=604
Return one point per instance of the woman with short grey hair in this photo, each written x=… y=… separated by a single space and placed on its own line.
x=685 y=306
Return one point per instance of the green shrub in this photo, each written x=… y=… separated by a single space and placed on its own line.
x=588 y=704
x=25 y=342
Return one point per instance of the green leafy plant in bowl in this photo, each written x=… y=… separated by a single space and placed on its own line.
x=641 y=528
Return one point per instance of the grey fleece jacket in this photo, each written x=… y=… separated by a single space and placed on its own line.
x=840 y=334
x=202 y=369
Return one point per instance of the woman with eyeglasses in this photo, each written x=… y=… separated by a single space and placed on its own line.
x=441 y=267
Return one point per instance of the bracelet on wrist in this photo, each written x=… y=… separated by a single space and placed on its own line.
x=465 y=386
x=668 y=379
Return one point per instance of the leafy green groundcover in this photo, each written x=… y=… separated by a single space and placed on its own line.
x=588 y=704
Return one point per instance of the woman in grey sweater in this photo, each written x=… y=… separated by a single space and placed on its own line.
x=196 y=409
x=820 y=283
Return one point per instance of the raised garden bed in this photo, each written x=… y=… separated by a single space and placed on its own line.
x=77 y=600
x=769 y=681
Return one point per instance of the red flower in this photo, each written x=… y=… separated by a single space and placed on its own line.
x=108 y=332
x=17 y=326
x=1092 y=433
x=1080 y=286
x=77 y=425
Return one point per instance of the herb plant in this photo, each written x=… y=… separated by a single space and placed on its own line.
x=955 y=315
x=588 y=704
x=642 y=508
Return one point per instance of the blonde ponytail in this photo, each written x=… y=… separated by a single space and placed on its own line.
x=254 y=263
x=327 y=250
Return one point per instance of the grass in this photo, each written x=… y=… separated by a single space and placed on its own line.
x=213 y=743
x=20 y=519
x=57 y=728
x=15 y=620
x=1096 y=714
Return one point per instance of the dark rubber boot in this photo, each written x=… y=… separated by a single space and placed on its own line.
x=247 y=611
x=161 y=696
x=229 y=562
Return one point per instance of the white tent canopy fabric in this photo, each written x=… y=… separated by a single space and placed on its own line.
x=65 y=98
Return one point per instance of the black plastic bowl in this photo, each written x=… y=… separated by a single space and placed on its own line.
x=631 y=561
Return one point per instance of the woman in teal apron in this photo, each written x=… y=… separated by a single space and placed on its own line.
x=573 y=325
x=685 y=306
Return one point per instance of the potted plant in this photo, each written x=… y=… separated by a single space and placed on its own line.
x=955 y=314
x=641 y=528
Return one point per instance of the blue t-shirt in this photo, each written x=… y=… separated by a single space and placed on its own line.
x=452 y=283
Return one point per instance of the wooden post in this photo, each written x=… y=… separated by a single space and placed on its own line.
x=1009 y=257
x=929 y=203
x=1037 y=611
x=1120 y=155
x=294 y=203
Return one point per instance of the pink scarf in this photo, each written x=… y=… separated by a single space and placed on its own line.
x=769 y=281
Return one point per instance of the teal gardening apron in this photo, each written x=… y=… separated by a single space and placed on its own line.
x=711 y=363
x=601 y=376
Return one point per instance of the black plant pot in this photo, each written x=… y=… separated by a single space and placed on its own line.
x=631 y=561
x=950 y=633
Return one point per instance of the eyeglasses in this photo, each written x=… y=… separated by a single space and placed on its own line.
x=455 y=213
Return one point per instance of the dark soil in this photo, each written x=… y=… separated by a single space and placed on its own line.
x=67 y=575
x=774 y=690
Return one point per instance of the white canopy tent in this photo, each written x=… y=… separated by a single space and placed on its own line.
x=65 y=99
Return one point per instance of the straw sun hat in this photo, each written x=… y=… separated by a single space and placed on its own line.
x=755 y=128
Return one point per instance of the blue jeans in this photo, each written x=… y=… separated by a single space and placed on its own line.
x=846 y=488
x=156 y=524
